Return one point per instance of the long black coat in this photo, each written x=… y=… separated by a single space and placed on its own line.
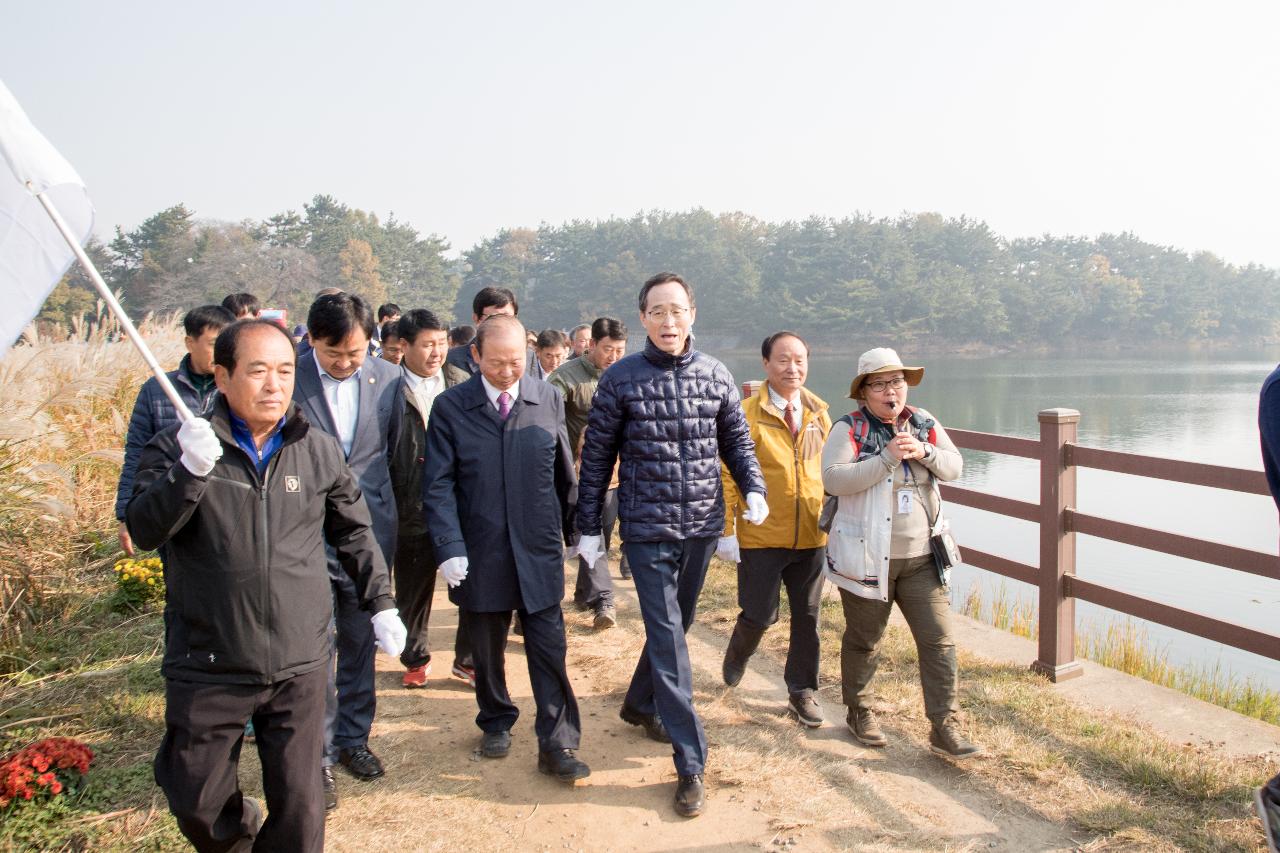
x=500 y=494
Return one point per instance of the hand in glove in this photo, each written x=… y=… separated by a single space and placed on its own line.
x=589 y=549
x=200 y=447
x=727 y=549
x=389 y=632
x=757 y=509
x=455 y=570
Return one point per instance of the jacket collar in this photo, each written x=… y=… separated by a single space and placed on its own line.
x=809 y=401
x=666 y=360
x=295 y=425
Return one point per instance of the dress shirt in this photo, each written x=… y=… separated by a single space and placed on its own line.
x=424 y=390
x=493 y=393
x=343 y=397
x=781 y=402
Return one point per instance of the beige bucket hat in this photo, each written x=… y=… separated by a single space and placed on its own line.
x=882 y=360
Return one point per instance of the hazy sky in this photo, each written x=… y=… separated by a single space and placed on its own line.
x=1160 y=118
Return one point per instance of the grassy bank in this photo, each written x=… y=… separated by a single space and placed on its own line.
x=1127 y=647
x=72 y=661
x=1116 y=786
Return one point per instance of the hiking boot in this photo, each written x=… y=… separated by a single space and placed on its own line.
x=866 y=731
x=606 y=617
x=691 y=795
x=806 y=709
x=946 y=739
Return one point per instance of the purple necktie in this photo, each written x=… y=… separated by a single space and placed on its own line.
x=504 y=405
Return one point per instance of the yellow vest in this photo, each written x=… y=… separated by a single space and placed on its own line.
x=792 y=467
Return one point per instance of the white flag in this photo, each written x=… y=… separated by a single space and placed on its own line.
x=33 y=255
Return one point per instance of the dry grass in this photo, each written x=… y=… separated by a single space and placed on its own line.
x=69 y=664
x=1127 y=647
x=1122 y=787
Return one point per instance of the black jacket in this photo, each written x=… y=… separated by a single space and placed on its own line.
x=500 y=494
x=670 y=419
x=248 y=598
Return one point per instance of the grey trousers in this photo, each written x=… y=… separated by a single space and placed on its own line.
x=594 y=586
x=913 y=583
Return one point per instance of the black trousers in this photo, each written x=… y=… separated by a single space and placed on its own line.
x=197 y=763
x=414 y=572
x=761 y=576
x=556 y=722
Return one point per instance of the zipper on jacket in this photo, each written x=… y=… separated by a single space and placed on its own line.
x=675 y=378
x=795 y=454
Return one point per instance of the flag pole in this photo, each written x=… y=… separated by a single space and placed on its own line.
x=117 y=309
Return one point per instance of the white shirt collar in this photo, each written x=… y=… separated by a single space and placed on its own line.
x=415 y=380
x=324 y=374
x=781 y=402
x=493 y=393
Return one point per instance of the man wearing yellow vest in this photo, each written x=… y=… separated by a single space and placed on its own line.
x=788 y=425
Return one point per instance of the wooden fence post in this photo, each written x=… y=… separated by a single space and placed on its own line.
x=1057 y=654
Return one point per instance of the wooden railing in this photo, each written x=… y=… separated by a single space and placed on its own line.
x=1059 y=521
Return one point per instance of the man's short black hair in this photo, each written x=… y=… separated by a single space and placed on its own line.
x=418 y=320
x=766 y=348
x=242 y=303
x=390 y=329
x=224 y=348
x=608 y=327
x=198 y=320
x=493 y=297
x=462 y=335
x=663 y=278
x=492 y=325
x=337 y=315
x=386 y=310
x=548 y=338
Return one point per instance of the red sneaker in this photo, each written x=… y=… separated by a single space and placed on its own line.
x=464 y=673
x=417 y=676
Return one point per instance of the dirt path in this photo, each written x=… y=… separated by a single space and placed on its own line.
x=768 y=780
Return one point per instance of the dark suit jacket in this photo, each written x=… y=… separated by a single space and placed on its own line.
x=377 y=429
x=501 y=494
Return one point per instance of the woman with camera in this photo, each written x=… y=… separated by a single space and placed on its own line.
x=888 y=543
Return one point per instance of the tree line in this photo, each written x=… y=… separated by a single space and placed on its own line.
x=917 y=279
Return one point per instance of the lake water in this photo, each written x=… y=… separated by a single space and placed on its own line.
x=1195 y=406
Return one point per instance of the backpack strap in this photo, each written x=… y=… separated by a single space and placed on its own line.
x=859 y=429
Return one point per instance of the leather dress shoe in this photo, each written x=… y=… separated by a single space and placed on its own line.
x=360 y=763
x=562 y=764
x=495 y=744
x=651 y=723
x=691 y=796
x=330 y=789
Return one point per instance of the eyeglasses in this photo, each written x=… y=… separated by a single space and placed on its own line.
x=882 y=385
x=661 y=314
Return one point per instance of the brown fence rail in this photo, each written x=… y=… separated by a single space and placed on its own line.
x=1059 y=521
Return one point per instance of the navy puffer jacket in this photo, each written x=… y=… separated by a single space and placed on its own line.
x=670 y=419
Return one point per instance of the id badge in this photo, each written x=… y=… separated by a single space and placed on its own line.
x=906 y=501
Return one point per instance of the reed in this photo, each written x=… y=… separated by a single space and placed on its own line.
x=65 y=400
x=1127 y=647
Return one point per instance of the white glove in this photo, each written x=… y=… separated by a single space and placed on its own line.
x=757 y=509
x=455 y=570
x=200 y=447
x=389 y=632
x=589 y=549
x=727 y=549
